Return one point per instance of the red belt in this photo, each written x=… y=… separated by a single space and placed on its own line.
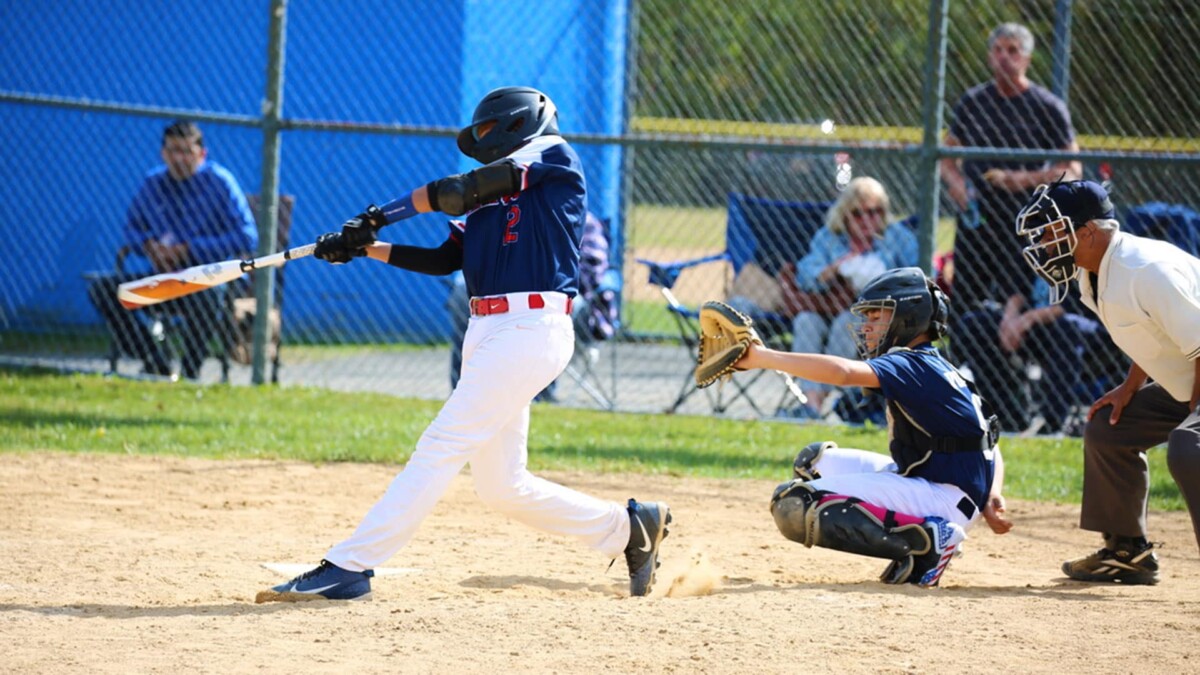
x=499 y=304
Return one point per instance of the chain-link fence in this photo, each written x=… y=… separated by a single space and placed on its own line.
x=707 y=129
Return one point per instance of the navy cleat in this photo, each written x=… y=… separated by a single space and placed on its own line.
x=647 y=528
x=926 y=569
x=324 y=582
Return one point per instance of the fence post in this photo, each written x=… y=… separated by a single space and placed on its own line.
x=1061 y=62
x=268 y=221
x=932 y=96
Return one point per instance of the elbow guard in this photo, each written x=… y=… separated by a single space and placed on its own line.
x=456 y=195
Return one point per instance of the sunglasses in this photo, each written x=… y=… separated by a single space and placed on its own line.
x=859 y=213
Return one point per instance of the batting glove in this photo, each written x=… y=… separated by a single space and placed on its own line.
x=332 y=248
x=360 y=230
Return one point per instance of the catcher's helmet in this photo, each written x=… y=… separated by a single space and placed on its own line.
x=1050 y=219
x=521 y=114
x=917 y=306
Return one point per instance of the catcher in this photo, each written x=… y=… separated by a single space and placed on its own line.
x=914 y=507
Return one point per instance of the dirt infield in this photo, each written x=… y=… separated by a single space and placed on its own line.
x=118 y=564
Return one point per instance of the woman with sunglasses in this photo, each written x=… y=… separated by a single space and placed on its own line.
x=857 y=243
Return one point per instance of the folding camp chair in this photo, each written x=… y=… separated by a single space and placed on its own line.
x=766 y=232
x=590 y=354
x=235 y=308
x=241 y=307
x=596 y=314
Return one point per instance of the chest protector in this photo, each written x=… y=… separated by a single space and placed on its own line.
x=911 y=444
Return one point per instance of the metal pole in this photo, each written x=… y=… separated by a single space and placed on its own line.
x=1061 y=62
x=619 y=235
x=268 y=217
x=933 y=96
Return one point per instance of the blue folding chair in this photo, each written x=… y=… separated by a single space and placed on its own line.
x=769 y=233
x=1175 y=223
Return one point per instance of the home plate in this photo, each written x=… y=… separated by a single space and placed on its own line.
x=290 y=570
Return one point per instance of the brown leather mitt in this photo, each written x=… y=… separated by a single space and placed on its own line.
x=725 y=335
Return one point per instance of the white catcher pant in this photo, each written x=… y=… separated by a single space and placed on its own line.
x=872 y=478
x=507 y=359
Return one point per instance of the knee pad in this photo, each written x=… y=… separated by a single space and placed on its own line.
x=820 y=518
x=803 y=467
x=790 y=506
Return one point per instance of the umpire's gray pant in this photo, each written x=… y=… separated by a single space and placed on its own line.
x=1116 y=477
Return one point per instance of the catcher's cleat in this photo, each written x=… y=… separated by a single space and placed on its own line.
x=647 y=528
x=926 y=570
x=324 y=582
x=1120 y=561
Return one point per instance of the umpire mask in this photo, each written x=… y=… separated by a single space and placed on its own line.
x=1049 y=222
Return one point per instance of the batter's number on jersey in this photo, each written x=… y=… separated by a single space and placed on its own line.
x=510 y=230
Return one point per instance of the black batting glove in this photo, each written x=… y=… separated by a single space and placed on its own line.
x=360 y=230
x=332 y=248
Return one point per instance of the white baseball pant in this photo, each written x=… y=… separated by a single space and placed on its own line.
x=507 y=359
x=872 y=478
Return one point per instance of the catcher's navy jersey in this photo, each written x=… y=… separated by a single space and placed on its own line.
x=528 y=242
x=937 y=400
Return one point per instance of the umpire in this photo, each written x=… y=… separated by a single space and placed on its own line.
x=1147 y=294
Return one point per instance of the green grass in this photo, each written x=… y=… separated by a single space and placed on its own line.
x=689 y=228
x=649 y=317
x=89 y=413
x=696 y=228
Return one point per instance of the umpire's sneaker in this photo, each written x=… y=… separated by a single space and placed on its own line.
x=324 y=582
x=1121 y=561
x=647 y=528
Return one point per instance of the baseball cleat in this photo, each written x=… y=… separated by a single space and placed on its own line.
x=324 y=582
x=945 y=542
x=1121 y=564
x=647 y=528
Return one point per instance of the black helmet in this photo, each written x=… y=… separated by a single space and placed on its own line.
x=521 y=114
x=918 y=306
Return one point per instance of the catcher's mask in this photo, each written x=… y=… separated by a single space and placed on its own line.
x=519 y=114
x=909 y=303
x=1050 y=221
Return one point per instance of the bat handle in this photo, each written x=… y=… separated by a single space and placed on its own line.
x=280 y=258
x=299 y=252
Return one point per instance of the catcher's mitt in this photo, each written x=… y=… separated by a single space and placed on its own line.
x=725 y=335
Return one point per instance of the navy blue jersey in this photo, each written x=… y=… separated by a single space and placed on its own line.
x=528 y=242
x=936 y=399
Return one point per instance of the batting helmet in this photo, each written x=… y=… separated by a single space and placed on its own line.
x=519 y=114
x=916 y=304
x=1050 y=220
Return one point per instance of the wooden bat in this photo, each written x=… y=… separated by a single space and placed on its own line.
x=170 y=285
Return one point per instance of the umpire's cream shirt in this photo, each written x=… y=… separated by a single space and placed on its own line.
x=1150 y=303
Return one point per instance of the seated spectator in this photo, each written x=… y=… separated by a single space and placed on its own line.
x=189 y=211
x=857 y=243
x=1071 y=348
x=594 y=309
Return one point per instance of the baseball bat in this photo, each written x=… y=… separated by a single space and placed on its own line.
x=171 y=285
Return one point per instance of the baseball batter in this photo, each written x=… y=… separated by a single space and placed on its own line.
x=1147 y=294
x=518 y=247
x=915 y=506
